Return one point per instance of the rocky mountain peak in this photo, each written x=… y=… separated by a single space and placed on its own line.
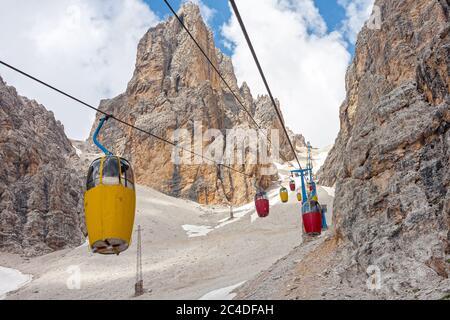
x=168 y=60
x=190 y=12
x=245 y=88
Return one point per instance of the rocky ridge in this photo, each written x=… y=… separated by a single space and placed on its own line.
x=390 y=162
x=41 y=191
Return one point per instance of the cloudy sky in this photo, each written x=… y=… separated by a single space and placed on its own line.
x=88 y=48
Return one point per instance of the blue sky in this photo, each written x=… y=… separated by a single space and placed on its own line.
x=330 y=10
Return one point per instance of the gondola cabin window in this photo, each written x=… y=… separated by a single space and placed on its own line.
x=127 y=176
x=93 y=179
x=110 y=172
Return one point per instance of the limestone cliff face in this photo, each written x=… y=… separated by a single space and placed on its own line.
x=40 y=192
x=174 y=87
x=391 y=160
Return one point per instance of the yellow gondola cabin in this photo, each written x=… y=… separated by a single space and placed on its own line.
x=284 y=196
x=109 y=201
x=109 y=204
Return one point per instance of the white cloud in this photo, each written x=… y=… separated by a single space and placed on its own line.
x=86 y=47
x=206 y=12
x=304 y=64
x=357 y=13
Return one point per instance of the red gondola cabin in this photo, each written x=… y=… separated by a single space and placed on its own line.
x=312 y=218
x=292 y=185
x=262 y=204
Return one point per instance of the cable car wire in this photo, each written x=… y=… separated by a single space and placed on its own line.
x=249 y=42
x=111 y=116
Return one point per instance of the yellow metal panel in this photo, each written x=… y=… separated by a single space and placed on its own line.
x=109 y=213
x=102 y=161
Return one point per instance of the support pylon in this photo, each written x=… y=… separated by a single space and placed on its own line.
x=139 y=285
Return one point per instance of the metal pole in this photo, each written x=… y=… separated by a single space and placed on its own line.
x=139 y=285
x=95 y=137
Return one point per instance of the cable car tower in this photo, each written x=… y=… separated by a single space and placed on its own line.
x=309 y=163
x=139 y=285
x=311 y=210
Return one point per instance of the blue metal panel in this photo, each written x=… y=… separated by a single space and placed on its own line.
x=302 y=175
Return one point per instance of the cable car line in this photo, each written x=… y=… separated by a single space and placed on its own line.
x=117 y=119
x=244 y=30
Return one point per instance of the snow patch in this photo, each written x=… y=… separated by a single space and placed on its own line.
x=283 y=177
x=319 y=159
x=242 y=211
x=280 y=166
x=84 y=245
x=222 y=293
x=238 y=213
x=196 y=231
x=157 y=201
x=284 y=166
x=329 y=190
x=11 y=280
x=78 y=151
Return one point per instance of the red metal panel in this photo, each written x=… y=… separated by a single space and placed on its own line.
x=312 y=222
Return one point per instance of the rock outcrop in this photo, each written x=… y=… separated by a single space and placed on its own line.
x=174 y=87
x=41 y=193
x=390 y=162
